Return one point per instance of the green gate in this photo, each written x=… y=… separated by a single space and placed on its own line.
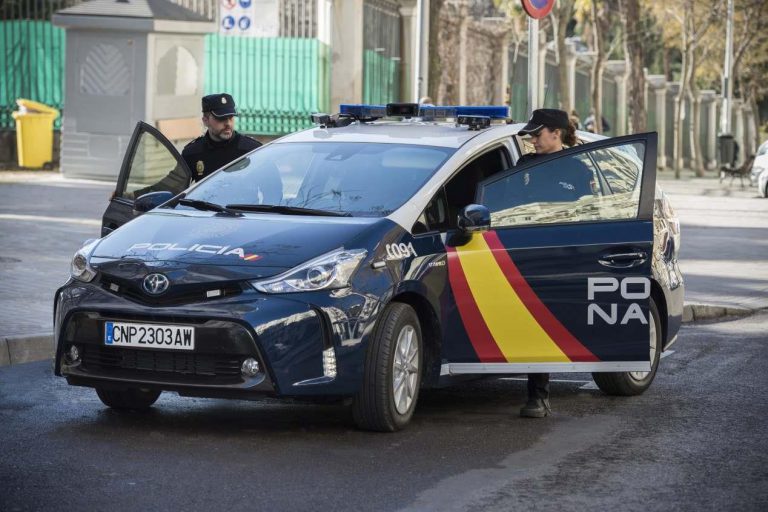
x=276 y=82
x=381 y=52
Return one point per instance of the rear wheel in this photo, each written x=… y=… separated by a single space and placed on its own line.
x=635 y=383
x=130 y=398
x=390 y=389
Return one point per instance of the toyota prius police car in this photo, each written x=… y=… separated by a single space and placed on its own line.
x=403 y=248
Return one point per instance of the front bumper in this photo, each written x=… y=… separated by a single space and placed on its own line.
x=288 y=336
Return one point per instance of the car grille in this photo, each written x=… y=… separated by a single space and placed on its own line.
x=164 y=364
x=176 y=295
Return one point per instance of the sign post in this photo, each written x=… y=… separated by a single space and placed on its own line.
x=536 y=9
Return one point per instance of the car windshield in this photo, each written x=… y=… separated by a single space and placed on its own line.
x=354 y=178
x=763 y=149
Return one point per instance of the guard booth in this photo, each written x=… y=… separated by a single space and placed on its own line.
x=128 y=61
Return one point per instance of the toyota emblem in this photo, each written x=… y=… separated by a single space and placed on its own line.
x=155 y=284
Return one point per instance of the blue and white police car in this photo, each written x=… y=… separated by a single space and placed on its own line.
x=388 y=249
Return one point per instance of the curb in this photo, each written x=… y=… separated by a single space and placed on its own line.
x=38 y=347
x=25 y=349
x=698 y=312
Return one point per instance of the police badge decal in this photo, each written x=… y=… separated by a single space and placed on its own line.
x=200 y=167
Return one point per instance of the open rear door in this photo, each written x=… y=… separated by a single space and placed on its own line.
x=150 y=164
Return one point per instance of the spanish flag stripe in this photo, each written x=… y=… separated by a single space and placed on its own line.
x=485 y=346
x=556 y=330
x=515 y=330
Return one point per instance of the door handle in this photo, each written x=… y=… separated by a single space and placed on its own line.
x=623 y=260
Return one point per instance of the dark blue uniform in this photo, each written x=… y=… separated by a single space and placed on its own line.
x=205 y=155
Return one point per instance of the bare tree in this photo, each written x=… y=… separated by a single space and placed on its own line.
x=603 y=13
x=561 y=16
x=634 y=55
x=692 y=31
x=750 y=38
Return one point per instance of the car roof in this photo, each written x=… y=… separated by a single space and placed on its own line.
x=421 y=133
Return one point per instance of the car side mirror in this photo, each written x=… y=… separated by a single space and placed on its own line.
x=151 y=200
x=474 y=218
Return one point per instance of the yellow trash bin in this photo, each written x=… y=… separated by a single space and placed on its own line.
x=34 y=133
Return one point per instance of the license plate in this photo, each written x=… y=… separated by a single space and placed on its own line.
x=174 y=337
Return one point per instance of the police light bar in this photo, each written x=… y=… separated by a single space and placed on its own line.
x=474 y=122
x=363 y=112
x=491 y=112
x=372 y=112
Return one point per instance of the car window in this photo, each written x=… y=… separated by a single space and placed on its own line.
x=567 y=189
x=461 y=189
x=154 y=168
x=362 y=179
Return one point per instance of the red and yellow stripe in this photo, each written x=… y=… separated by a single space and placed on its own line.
x=504 y=318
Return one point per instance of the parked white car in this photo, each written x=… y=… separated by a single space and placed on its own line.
x=758 y=177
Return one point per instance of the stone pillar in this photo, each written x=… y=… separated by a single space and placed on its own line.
x=570 y=63
x=409 y=50
x=618 y=68
x=704 y=104
x=346 y=53
x=657 y=86
x=712 y=136
x=463 y=31
x=501 y=96
x=738 y=129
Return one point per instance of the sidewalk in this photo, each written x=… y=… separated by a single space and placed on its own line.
x=724 y=246
x=44 y=218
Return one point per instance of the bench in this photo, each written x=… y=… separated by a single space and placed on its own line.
x=737 y=172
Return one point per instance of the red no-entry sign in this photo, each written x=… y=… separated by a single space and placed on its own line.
x=538 y=8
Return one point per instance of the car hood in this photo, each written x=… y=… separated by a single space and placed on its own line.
x=257 y=245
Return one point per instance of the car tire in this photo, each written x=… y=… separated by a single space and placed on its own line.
x=634 y=383
x=393 y=368
x=128 y=399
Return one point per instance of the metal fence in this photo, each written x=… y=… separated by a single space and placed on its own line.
x=277 y=81
x=381 y=52
x=31 y=55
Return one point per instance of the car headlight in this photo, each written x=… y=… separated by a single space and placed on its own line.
x=80 y=268
x=329 y=271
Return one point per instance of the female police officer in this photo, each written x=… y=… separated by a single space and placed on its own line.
x=550 y=129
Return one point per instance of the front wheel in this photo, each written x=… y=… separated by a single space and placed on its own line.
x=390 y=389
x=635 y=383
x=130 y=398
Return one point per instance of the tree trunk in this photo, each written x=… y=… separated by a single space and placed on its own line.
x=695 y=128
x=563 y=14
x=435 y=65
x=636 y=58
x=598 y=64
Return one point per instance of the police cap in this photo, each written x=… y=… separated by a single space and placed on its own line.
x=220 y=105
x=545 y=117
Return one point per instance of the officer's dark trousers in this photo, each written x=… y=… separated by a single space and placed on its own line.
x=538 y=386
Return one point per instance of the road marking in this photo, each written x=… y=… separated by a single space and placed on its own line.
x=45 y=218
x=525 y=379
x=667 y=353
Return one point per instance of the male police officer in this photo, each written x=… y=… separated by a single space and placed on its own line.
x=220 y=144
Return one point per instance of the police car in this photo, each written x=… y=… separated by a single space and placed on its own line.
x=405 y=250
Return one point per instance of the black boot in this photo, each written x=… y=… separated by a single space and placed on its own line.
x=538 y=397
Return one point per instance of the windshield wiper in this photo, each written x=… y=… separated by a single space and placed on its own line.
x=287 y=210
x=205 y=205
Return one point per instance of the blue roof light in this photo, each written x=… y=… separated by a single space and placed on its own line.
x=493 y=111
x=427 y=111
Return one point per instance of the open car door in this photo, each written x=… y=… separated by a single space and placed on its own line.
x=151 y=164
x=562 y=280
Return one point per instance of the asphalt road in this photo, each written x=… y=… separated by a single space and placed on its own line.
x=697 y=440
